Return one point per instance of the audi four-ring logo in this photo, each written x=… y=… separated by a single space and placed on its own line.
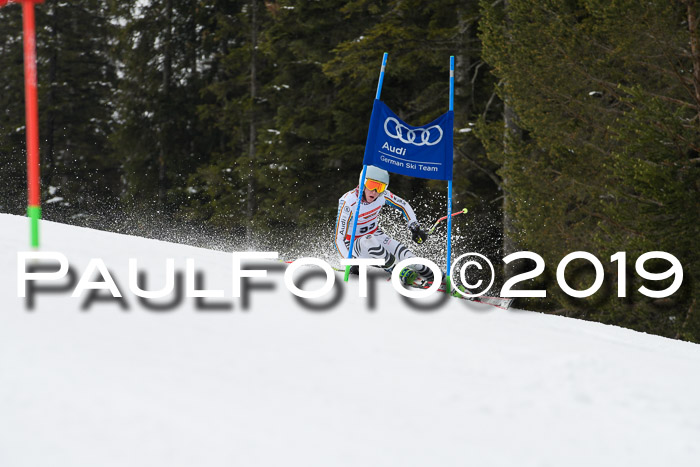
x=406 y=135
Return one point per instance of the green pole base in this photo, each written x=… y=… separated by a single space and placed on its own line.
x=34 y=213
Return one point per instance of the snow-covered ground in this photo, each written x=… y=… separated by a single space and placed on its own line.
x=356 y=383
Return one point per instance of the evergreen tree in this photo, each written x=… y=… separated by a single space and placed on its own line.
x=224 y=190
x=76 y=82
x=301 y=171
x=609 y=135
x=13 y=156
x=76 y=104
x=159 y=140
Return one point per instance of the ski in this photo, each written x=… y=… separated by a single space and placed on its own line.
x=498 y=302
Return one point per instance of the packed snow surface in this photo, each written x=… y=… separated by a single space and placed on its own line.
x=355 y=382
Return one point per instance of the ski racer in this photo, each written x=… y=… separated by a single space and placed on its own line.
x=370 y=240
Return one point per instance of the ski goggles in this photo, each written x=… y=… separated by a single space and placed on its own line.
x=375 y=185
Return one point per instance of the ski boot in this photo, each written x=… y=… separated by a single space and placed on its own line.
x=408 y=276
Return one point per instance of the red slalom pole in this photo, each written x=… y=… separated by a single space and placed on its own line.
x=32 y=116
x=31 y=106
x=463 y=211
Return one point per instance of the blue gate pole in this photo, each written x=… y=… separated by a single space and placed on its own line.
x=449 y=182
x=381 y=76
x=361 y=188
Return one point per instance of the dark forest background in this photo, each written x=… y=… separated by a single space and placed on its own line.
x=576 y=125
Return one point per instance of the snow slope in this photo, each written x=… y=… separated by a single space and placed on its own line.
x=353 y=384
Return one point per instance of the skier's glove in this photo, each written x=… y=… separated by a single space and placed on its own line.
x=419 y=235
x=355 y=270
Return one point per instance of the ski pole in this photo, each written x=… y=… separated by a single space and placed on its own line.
x=430 y=232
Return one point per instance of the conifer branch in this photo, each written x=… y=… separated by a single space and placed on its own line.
x=494 y=178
